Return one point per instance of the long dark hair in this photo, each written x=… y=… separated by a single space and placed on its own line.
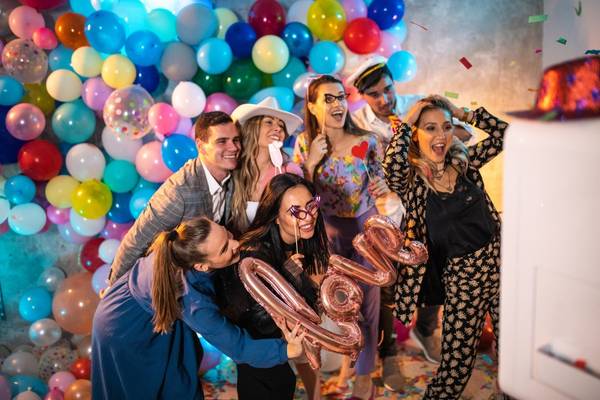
x=265 y=229
x=310 y=121
x=175 y=252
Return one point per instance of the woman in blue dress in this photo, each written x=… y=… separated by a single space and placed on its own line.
x=144 y=342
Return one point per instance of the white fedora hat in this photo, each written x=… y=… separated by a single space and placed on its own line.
x=268 y=107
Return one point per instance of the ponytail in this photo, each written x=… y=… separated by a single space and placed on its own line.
x=175 y=252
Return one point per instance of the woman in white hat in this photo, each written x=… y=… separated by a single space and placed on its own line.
x=264 y=128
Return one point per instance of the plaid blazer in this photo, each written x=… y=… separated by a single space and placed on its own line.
x=183 y=196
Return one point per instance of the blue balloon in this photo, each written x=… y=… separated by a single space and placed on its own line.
x=284 y=96
x=163 y=23
x=144 y=48
x=402 y=65
x=147 y=77
x=132 y=14
x=241 y=38
x=298 y=38
x=60 y=58
x=35 y=303
x=11 y=91
x=326 y=57
x=22 y=383
x=177 y=150
x=83 y=7
x=139 y=200
x=288 y=75
x=144 y=184
x=119 y=211
x=73 y=122
x=214 y=56
x=104 y=32
x=386 y=13
x=399 y=31
x=19 y=189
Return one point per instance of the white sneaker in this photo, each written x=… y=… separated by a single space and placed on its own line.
x=430 y=345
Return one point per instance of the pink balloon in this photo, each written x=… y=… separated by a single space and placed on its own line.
x=24 y=20
x=44 y=38
x=389 y=44
x=163 y=118
x=54 y=394
x=61 y=380
x=149 y=163
x=4 y=227
x=184 y=126
x=220 y=102
x=94 y=93
x=57 y=216
x=113 y=230
x=46 y=226
x=403 y=331
x=68 y=233
x=354 y=9
x=25 y=121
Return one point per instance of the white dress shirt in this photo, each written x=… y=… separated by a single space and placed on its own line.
x=218 y=194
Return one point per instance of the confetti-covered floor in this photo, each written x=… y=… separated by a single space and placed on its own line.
x=417 y=372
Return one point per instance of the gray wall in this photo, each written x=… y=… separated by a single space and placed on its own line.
x=493 y=34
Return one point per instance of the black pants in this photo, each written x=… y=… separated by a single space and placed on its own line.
x=276 y=383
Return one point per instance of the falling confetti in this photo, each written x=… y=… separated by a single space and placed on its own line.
x=562 y=40
x=465 y=62
x=420 y=26
x=537 y=18
x=532 y=89
x=594 y=52
x=538 y=51
x=451 y=95
x=473 y=104
x=578 y=9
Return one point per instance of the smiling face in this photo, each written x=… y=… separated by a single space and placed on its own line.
x=330 y=105
x=221 y=151
x=381 y=97
x=300 y=197
x=434 y=134
x=271 y=130
x=220 y=248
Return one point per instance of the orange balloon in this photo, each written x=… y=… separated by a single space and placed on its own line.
x=74 y=304
x=69 y=29
x=81 y=389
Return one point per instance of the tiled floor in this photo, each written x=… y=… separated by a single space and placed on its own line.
x=417 y=371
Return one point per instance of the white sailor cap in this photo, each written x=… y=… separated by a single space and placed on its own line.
x=369 y=65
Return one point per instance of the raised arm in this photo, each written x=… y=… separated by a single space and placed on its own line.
x=484 y=151
x=396 y=167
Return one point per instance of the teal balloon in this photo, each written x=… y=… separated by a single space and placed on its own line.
x=132 y=14
x=60 y=58
x=120 y=176
x=288 y=75
x=11 y=91
x=163 y=23
x=83 y=7
x=326 y=57
x=73 y=122
x=284 y=96
x=214 y=56
x=403 y=66
x=35 y=303
x=19 y=189
x=22 y=383
x=139 y=200
x=144 y=184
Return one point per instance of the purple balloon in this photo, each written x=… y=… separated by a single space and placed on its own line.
x=113 y=230
x=185 y=126
x=58 y=216
x=100 y=278
x=68 y=233
x=220 y=102
x=94 y=93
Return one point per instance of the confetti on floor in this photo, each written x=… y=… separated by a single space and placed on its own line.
x=561 y=40
x=465 y=62
x=417 y=371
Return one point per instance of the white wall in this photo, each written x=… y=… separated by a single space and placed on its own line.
x=582 y=32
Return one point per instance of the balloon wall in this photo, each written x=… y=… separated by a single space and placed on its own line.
x=97 y=103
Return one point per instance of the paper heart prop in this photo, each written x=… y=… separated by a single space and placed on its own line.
x=360 y=150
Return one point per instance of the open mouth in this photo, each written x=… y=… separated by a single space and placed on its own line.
x=439 y=149
x=274 y=137
x=338 y=115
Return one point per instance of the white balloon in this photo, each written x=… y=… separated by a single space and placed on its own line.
x=85 y=161
x=27 y=395
x=100 y=278
x=188 y=99
x=27 y=219
x=301 y=83
x=108 y=249
x=85 y=226
x=118 y=146
x=298 y=11
x=51 y=278
x=45 y=332
x=20 y=363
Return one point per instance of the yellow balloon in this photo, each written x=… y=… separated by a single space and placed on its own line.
x=59 y=190
x=226 y=18
x=327 y=20
x=118 y=71
x=63 y=85
x=92 y=199
x=86 y=61
x=270 y=54
x=36 y=94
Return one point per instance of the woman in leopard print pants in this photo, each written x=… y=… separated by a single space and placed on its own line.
x=447 y=207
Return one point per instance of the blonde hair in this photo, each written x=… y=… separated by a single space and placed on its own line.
x=246 y=177
x=175 y=252
x=457 y=156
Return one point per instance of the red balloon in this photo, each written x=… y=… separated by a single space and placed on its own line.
x=81 y=368
x=40 y=160
x=88 y=257
x=362 y=36
x=43 y=4
x=267 y=17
